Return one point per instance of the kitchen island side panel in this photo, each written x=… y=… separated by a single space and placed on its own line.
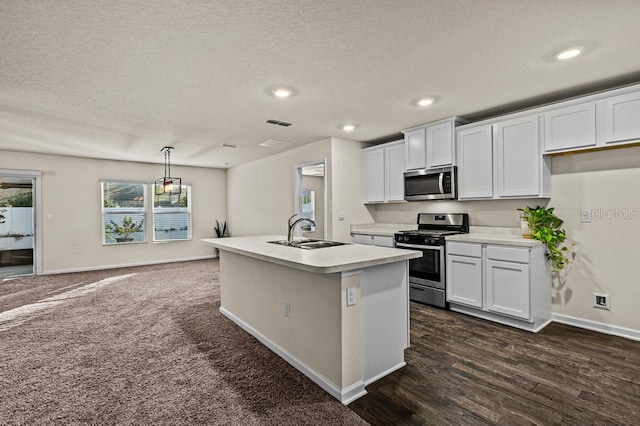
x=255 y=291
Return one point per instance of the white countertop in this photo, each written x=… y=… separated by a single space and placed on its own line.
x=381 y=229
x=494 y=235
x=323 y=260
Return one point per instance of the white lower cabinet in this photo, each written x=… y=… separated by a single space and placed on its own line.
x=507 y=284
x=375 y=240
x=464 y=280
x=508 y=288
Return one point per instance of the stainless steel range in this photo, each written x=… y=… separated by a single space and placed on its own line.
x=427 y=274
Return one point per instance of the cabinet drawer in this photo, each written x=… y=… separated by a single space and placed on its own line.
x=362 y=239
x=464 y=249
x=382 y=241
x=508 y=254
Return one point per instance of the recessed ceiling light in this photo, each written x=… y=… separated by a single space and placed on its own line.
x=569 y=53
x=281 y=92
x=349 y=127
x=424 y=102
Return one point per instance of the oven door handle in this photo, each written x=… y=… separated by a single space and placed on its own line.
x=441 y=183
x=415 y=246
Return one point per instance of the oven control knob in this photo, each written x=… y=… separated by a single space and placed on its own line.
x=434 y=241
x=426 y=241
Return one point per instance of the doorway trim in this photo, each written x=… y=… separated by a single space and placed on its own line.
x=37 y=212
x=297 y=187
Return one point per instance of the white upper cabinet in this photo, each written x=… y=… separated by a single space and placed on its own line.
x=440 y=144
x=373 y=165
x=415 y=147
x=570 y=127
x=394 y=172
x=383 y=172
x=502 y=160
x=431 y=145
x=518 y=157
x=475 y=162
x=622 y=117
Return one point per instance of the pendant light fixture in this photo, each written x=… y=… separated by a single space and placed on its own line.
x=168 y=184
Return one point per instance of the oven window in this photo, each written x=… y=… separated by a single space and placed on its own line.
x=426 y=267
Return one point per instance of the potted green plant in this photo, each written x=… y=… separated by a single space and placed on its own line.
x=545 y=226
x=221 y=229
x=124 y=230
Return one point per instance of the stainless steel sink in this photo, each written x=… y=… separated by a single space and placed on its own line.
x=308 y=244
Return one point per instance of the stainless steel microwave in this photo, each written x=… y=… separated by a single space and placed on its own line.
x=430 y=184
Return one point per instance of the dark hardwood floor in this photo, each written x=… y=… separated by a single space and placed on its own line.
x=464 y=370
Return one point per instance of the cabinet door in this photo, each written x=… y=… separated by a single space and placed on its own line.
x=464 y=280
x=362 y=239
x=508 y=288
x=440 y=145
x=622 y=117
x=475 y=162
x=373 y=165
x=415 y=149
x=518 y=157
x=570 y=127
x=394 y=172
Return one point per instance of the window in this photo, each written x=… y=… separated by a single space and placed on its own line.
x=172 y=215
x=123 y=213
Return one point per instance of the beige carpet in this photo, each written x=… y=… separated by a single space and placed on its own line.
x=143 y=345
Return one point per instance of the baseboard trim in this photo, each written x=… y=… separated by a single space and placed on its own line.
x=600 y=327
x=345 y=395
x=533 y=327
x=127 y=265
x=384 y=373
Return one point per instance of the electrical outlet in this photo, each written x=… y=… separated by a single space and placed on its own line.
x=351 y=296
x=401 y=215
x=601 y=301
x=287 y=309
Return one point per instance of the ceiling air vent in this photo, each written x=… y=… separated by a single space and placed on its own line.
x=274 y=143
x=279 y=122
x=228 y=145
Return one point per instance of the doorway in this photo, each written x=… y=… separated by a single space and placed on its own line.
x=310 y=198
x=18 y=250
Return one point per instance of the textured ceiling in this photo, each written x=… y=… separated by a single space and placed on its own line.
x=121 y=79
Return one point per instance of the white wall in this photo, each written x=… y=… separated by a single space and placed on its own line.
x=606 y=249
x=346 y=175
x=71 y=194
x=260 y=193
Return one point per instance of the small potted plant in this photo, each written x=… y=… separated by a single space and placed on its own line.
x=545 y=226
x=124 y=230
x=221 y=229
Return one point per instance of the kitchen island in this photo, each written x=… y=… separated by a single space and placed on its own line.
x=339 y=314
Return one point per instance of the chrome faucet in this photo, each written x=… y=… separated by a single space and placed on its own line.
x=293 y=224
